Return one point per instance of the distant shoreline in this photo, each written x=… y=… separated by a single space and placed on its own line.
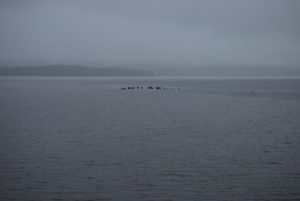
x=72 y=71
x=150 y=78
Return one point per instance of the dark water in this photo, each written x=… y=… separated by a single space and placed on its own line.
x=214 y=139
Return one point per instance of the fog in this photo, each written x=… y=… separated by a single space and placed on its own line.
x=151 y=34
x=138 y=100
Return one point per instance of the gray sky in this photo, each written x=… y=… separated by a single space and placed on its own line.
x=164 y=32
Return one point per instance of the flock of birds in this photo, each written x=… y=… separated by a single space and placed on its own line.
x=147 y=87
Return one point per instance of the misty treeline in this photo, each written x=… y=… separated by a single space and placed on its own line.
x=71 y=70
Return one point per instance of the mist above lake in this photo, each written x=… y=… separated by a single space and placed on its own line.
x=158 y=35
x=142 y=100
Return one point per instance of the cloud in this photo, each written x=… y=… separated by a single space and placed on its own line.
x=170 y=32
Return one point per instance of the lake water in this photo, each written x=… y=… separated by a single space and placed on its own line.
x=213 y=139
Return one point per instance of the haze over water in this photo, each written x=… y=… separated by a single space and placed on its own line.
x=213 y=139
x=229 y=132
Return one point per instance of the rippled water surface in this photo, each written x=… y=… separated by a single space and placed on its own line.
x=213 y=139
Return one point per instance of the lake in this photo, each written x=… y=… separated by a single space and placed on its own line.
x=82 y=138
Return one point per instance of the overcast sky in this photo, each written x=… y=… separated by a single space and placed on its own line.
x=164 y=32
